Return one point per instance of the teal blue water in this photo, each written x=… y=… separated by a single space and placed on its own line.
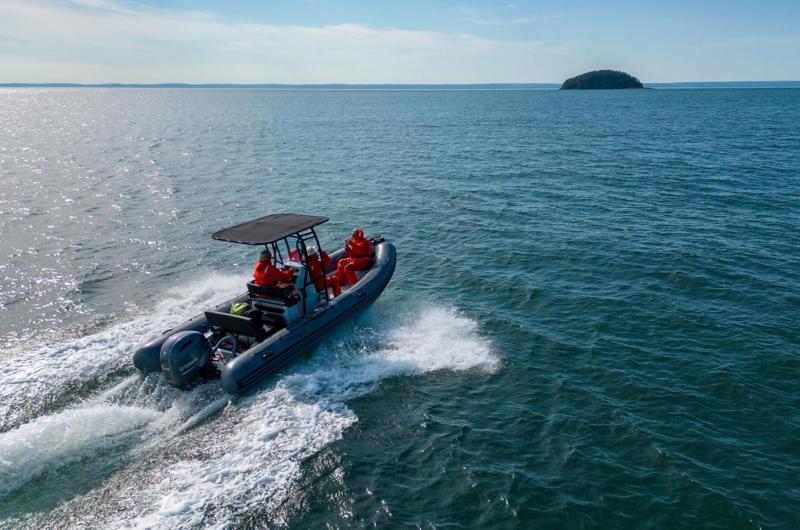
x=593 y=322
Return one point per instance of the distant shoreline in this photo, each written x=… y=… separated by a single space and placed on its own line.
x=409 y=86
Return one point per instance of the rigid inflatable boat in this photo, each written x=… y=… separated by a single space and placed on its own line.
x=281 y=321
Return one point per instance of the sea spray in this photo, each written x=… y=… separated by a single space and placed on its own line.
x=56 y=373
x=53 y=441
x=269 y=434
x=250 y=451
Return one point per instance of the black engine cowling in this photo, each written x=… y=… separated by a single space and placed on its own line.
x=184 y=356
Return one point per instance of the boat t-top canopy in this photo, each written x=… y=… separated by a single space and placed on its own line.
x=269 y=228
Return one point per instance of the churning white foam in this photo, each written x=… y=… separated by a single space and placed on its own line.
x=142 y=415
x=31 y=379
x=268 y=435
x=251 y=452
x=50 y=442
x=35 y=378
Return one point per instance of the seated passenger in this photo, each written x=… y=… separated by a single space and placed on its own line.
x=316 y=267
x=268 y=274
x=358 y=257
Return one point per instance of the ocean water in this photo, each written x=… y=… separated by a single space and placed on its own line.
x=593 y=322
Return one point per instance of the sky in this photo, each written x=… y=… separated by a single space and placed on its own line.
x=411 y=41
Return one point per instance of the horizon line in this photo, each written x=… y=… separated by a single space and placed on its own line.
x=541 y=85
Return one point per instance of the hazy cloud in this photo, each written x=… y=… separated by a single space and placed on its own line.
x=513 y=21
x=755 y=42
x=104 y=41
x=490 y=18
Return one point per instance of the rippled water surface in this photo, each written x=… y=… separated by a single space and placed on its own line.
x=593 y=323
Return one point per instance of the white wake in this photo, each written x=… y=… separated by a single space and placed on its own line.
x=271 y=433
x=53 y=441
x=252 y=449
x=36 y=378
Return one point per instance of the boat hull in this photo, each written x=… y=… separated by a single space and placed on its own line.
x=284 y=346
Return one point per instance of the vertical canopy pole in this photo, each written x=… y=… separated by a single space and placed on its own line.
x=322 y=265
x=276 y=252
x=304 y=256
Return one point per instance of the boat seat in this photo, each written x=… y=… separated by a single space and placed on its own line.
x=235 y=324
x=272 y=314
x=283 y=292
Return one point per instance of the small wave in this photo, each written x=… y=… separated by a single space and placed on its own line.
x=50 y=442
x=148 y=413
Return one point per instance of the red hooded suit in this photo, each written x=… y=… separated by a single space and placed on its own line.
x=358 y=257
x=268 y=274
x=316 y=269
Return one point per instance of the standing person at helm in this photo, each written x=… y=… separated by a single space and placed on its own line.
x=268 y=274
x=358 y=257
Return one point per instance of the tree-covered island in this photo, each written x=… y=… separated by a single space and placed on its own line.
x=601 y=79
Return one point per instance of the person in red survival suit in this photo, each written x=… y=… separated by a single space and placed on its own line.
x=268 y=274
x=358 y=257
x=316 y=267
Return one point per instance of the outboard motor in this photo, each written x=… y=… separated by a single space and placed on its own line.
x=184 y=355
